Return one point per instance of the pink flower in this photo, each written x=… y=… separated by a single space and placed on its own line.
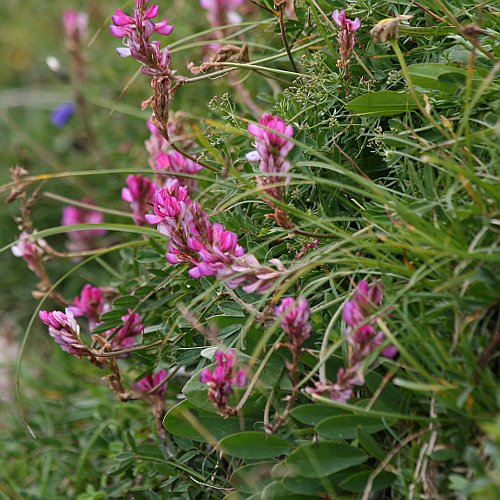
x=295 y=321
x=136 y=32
x=90 y=304
x=121 y=337
x=75 y=25
x=209 y=248
x=221 y=381
x=177 y=216
x=139 y=192
x=173 y=162
x=346 y=36
x=82 y=239
x=148 y=383
x=365 y=301
x=222 y=12
x=271 y=152
x=358 y=312
x=64 y=329
x=342 y=21
x=363 y=337
x=30 y=250
x=219 y=253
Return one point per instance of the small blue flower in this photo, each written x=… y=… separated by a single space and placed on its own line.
x=62 y=114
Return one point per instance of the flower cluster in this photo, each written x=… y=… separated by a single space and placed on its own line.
x=90 y=304
x=362 y=336
x=346 y=36
x=209 y=248
x=153 y=385
x=136 y=32
x=139 y=192
x=81 y=240
x=357 y=314
x=64 y=329
x=295 y=320
x=221 y=381
x=271 y=152
x=124 y=336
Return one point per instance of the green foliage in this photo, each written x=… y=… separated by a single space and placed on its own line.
x=394 y=171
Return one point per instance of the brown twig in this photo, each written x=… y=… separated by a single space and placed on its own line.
x=280 y=5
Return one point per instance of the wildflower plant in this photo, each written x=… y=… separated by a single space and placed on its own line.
x=292 y=262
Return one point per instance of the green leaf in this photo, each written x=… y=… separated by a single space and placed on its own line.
x=252 y=478
x=254 y=445
x=231 y=309
x=106 y=325
x=441 y=77
x=148 y=255
x=113 y=315
x=185 y=420
x=128 y=301
x=313 y=414
x=357 y=482
x=369 y=444
x=384 y=103
x=276 y=491
x=305 y=485
x=322 y=459
x=344 y=426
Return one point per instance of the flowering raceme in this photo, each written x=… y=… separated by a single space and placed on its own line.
x=136 y=32
x=139 y=193
x=295 y=321
x=346 y=37
x=363 y=338
x=221 y=381
x=64 y=329
x=209 y=248
x=271 y=152
x=356 y=313
x=123 y=336
x=90 y=304
x=150 y=382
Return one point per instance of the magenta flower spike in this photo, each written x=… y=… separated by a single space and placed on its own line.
x=139 y=193
x=358 y=312
x=64 y=329
x=223 y=379
x=295 y=319
x=346 y=36
x=271 y=152
x=125 y=336
x=209 y=248
x=220 y=252
x=149 y=382
x=136 y=31
x=90 y=304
